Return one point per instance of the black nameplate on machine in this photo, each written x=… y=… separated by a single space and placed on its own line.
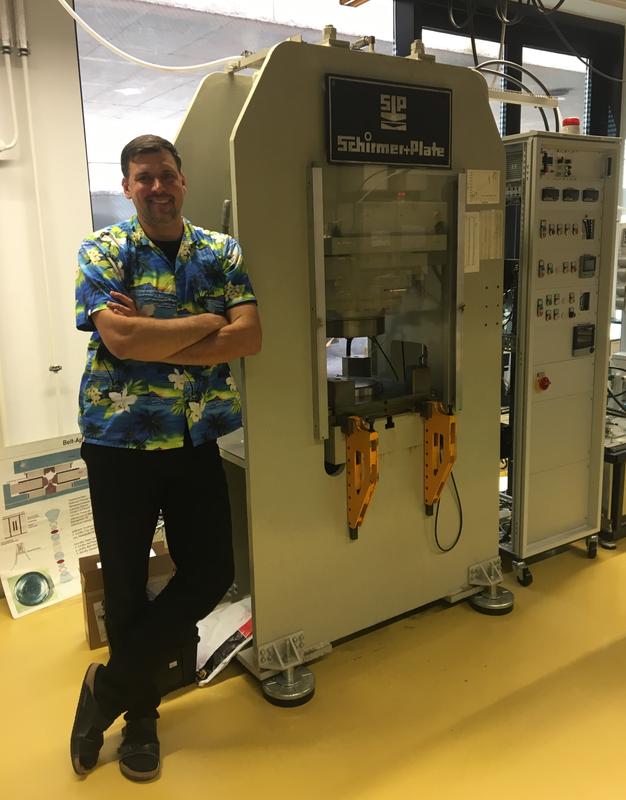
x=388 y=123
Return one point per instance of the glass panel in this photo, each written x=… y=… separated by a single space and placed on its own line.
x=564 y=76
x=450 y=48
x=390 y=259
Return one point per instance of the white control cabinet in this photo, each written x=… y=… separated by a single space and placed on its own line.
x=561 y=209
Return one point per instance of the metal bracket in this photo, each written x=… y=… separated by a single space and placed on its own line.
x=486 y=573
x=494 y=599
x=248 y=60
x=329 y=38
x=418 y=53
x=282 y=653
x=251 y=60
x=439 y=452
x=505 y=96
x=364 y=43
x=362 y=470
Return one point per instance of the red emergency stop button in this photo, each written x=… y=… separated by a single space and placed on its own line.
x=543 y=382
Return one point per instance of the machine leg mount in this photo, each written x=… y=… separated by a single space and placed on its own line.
x=494 y=600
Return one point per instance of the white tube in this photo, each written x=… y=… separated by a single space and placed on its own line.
x=128 y=57
x=42 y=243
x=5 y=27
x=11 y=144
x=6 y=47
x=20 y=28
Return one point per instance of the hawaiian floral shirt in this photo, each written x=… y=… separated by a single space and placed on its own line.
x=145 y=405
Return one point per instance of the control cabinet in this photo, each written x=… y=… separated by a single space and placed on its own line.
x=561 y=210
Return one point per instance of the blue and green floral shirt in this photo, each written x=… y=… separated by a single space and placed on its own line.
x=141 y=404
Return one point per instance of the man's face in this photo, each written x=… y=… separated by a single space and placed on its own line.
x=156 y=187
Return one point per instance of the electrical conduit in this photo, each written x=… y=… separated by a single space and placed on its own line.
x=22 y=47
x=5 y=46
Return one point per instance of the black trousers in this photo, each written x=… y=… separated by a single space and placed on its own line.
x=128 y=490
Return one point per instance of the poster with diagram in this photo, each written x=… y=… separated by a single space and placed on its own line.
x=45 y=522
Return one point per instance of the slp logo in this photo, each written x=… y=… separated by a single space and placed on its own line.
x=392 y=112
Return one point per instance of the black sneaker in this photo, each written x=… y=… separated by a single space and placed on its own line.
x=89 y=724
x=140 y=750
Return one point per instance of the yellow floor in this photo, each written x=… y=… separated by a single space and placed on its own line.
x=443 y=704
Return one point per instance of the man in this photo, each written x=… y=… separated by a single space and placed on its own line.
x=168 y=304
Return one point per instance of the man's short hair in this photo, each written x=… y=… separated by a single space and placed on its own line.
x=148 y=143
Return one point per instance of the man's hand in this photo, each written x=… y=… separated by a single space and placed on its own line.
x=123 y=305
x=129 y=335
x=241 y=336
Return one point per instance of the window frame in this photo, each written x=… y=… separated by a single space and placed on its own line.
x=602 y=43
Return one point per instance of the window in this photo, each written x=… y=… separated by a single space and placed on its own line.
x=454 y=49
x=602 y=43
x=564 y=76
x=122 y=100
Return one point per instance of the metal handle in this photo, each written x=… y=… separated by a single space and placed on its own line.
x=318 y=303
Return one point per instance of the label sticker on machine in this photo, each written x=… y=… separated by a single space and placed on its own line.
x=388 y=123
x=471 y=241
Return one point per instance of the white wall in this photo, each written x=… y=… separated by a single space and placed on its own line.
x=35 y=403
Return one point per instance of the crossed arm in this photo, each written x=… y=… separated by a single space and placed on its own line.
x=200 y=339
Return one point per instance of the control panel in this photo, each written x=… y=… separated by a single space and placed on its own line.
x=567 y=243
x=561 y=196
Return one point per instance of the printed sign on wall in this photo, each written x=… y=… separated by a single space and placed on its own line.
x=45 y=522
x=388 y=123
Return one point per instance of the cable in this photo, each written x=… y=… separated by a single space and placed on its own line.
x=502 y=39
x=518 y=83
x=526 y=71
x=141 y=62
x=577 y=54
x=460 y=531
x=617 y=400
x=502 y=7
x=375 y=341
x=539 y=6
x=473 y=42
x=469 y=18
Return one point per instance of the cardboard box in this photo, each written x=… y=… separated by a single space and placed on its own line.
x=160 y=570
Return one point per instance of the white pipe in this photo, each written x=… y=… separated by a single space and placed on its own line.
x=5 y=27
x=21 y=25
x=11 y=144
x=20 y=28
x=128 y=57
x=6 y=47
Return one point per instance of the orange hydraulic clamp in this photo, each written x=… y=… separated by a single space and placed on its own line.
x=439 y=452
x=361 y=470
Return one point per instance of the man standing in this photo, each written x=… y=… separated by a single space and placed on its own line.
x=168 y=304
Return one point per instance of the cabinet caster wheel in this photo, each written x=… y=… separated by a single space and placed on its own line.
x=525 y=577
x=592 y=549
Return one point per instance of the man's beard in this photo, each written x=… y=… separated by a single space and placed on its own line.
x=157 y=212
